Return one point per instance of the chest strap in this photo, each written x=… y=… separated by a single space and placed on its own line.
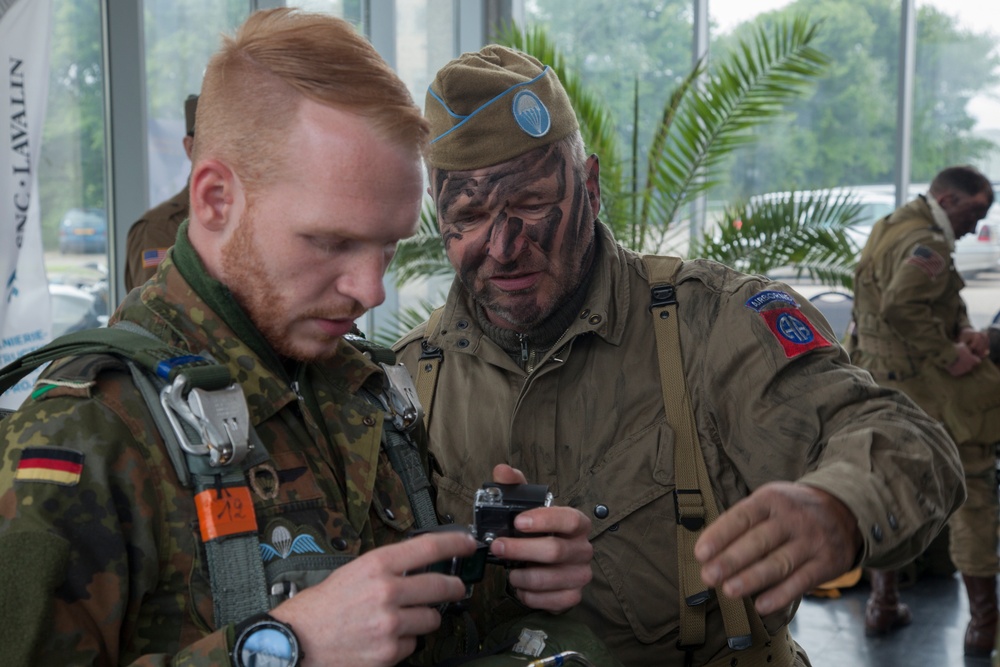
x=694 y=499
x=429 y=365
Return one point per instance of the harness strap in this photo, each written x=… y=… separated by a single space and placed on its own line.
x=693 y=496
x=430 y=364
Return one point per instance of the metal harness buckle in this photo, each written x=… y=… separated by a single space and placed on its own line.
x=220 y=418
x=400 y=397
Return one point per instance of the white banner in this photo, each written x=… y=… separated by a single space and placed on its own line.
x=25 y=312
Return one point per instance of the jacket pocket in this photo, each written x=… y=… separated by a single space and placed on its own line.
x=628 y=496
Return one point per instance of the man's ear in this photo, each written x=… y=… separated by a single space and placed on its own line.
x=594 y=183
x=215 y=195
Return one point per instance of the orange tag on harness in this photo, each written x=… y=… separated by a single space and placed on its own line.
x=225 y=511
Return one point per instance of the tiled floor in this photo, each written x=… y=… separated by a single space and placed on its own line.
x=833 y=634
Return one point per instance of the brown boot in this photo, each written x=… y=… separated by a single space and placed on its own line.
x=884 y=612
x=982 y=629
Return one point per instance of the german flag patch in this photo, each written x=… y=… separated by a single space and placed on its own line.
x=55 y=465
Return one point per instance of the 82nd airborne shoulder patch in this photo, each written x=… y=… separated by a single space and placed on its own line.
x=790 y=326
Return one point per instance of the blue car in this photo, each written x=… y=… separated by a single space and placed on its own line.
x=83 y=230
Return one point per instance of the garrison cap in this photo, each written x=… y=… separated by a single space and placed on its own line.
x=489 y=107
x=190 y=108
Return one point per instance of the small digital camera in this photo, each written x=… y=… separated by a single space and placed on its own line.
x=494 y=508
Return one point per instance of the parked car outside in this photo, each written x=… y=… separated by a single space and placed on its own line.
x=83 y=230
x=75 y=309
x=978 y=252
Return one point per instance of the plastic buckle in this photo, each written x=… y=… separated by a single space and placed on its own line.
x=693 y=516
x=662 y=295
x=428 y=351
x=400 y=397
x=220 y=418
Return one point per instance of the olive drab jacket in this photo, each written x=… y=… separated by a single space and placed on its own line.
x=102 y=558
x=151 y=236
x=908 y=313
x=773 y=396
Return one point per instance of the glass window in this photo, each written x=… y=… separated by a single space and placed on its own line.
x=957 y=120
x=180 y=37
x=72 y=168
x=426 y=39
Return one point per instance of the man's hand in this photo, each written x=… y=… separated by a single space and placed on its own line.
x=978 y=342
x=966 y=361
x=368 y=612
x=558 y=564
x=781 y=541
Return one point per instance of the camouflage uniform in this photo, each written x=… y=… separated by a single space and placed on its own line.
x=908 y=314
x=588 y=418
x=151 y=235
x=106 y=566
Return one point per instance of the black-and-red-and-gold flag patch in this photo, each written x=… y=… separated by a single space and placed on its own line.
x=55 y=465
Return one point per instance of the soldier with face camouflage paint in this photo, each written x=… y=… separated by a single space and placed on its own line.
x=548 y=327
x=299 y=194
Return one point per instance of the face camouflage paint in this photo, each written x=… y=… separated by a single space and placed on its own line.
x=519 y=234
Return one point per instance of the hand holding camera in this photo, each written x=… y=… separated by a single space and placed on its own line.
x=553 y=565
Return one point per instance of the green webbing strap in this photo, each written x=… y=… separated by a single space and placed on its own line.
x=235 y=566
x=694 y=499
x=150 y=353
x=427 y=373
x=406 y=462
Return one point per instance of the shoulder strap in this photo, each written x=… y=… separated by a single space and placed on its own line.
x=693 y=497
x=430 y=363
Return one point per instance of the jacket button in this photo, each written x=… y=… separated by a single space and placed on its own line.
x=601 y=511
x=463 y=342
x=892 y=521
x=463 y=324
x=613 y=528
x=877 y=533
x=339 y=543
x=368 y=421
x=447 y=518
x=583 y=315
x=596 y=319
x=389 y=513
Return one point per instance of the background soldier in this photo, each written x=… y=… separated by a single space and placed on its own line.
x=912 y=332
x=151 y=235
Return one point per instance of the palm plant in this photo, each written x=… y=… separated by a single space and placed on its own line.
x=708 y=116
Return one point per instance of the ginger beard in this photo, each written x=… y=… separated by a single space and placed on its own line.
x=252 y=284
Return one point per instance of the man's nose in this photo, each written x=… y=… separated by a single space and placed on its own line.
x=362 y=280
x=507 y=240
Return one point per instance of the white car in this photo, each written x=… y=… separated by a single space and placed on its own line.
x=980 y=251
x=75 y=309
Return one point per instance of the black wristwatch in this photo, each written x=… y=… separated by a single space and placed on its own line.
x=264 y=640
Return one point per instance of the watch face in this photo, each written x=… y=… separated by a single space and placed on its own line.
x=267 y=644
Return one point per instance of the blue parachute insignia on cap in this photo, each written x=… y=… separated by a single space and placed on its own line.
x=531 y=114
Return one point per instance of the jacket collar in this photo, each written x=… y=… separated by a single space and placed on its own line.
x=941 y=220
